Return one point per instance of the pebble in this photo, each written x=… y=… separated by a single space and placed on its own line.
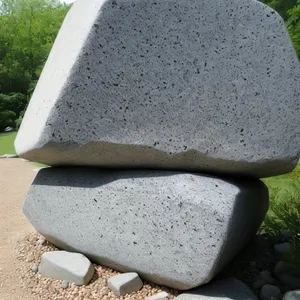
x=270 y=292
x=35 y=269
x=282 y=267
x=282 y=248
x=290 y=281
x=258 y=284
x=65 y=284
x=283 y=272
x=285 y=236
x=292 y=295
x=267 y=277
x=41 y=242
x=159 y=296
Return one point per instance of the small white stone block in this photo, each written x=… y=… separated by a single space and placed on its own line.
x=159 y=296
x=63 y=265
x=125 y=283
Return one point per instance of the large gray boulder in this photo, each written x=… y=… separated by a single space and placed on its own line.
x=175 y=229
x=208 y=85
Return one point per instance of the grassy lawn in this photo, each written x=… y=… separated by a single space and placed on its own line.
x=7 y=143
x=284 y=212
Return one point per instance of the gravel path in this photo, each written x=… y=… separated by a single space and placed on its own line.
x=15 y=178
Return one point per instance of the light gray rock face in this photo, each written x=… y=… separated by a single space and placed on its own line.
x=293 y=295
x=71 y=267
x=125 y=283
x=229 y=289
x=175 y=229
x=208 y=85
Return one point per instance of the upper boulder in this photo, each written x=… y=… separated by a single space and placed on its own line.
x=210 y=85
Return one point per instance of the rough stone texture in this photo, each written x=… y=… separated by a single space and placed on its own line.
x=72 y=267
x=270 y=292
x=208 y=85
x=229 y=289
x=293 y=295
x=125 y=283
x=175 y=229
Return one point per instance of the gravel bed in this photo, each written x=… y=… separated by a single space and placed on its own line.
x=29 y=251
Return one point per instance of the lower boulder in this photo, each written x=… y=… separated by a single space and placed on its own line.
x=175 y=229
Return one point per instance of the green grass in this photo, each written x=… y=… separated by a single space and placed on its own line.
x=284 y=212
x=284 y=209
x=7 y=143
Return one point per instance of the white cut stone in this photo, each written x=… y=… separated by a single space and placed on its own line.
x=210 y=85
x=68 y=266
x=125 y=283
x=158 y=296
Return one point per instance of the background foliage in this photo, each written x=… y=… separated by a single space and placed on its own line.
x=284 y=212
x=27 y=31
x=290 y=12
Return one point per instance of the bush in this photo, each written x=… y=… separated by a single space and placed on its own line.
x=18 y=122
x=284 y=212
x=7 y=118
x=15 y=102
x=12 y=108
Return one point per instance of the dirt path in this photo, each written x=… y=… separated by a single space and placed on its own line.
x=15 y=178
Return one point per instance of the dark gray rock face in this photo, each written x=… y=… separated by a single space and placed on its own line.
x=229 y=289
x=175 y=229
x=209 y=85
x=270 y=292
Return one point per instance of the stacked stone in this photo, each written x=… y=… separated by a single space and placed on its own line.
x=179 y=107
